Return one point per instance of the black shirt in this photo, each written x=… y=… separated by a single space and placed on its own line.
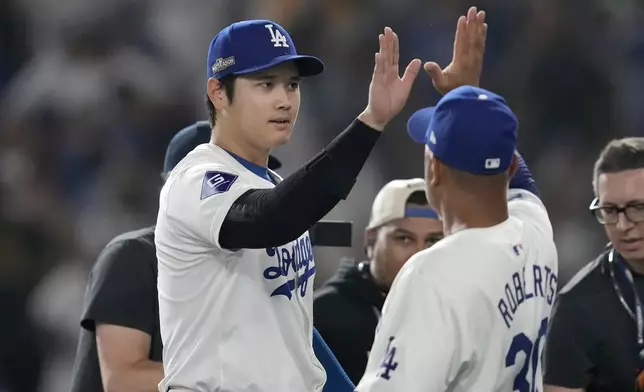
x=592 y=340
x=122 y=290
x=346 y=311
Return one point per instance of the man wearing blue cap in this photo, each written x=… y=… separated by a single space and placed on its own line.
x=471 y=312
x=236 y=266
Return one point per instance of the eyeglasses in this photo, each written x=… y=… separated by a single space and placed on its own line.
x=610 y=215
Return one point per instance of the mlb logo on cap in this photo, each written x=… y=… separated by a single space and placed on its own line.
x=492 y=163
x=253 y=46
x=470 y=129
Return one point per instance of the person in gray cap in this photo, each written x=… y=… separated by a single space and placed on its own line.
x=120 y=345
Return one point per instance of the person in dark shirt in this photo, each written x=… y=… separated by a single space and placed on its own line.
x=120 y=345
x=595 y=341
x=346 y=309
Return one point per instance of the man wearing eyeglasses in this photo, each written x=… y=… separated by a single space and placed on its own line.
x=596 y=337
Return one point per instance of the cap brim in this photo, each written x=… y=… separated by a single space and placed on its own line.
x=419 y=123
x=306 y=65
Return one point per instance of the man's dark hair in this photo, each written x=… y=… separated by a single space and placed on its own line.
x=619 y=155
x=229 y=87
x=418 y=198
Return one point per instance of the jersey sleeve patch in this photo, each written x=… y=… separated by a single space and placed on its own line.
x=216 y=182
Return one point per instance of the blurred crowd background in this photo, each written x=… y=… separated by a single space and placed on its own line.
x=91 y=92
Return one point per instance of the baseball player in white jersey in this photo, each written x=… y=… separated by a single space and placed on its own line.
x=471 y=312
x=236 y=267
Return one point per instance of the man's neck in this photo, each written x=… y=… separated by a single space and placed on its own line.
x=460 y=213
x=241 y=148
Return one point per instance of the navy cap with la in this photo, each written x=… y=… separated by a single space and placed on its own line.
x=255 y=45
x=470 y=129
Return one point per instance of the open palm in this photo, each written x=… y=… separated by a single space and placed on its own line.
x=467 y=59
x=388 y=92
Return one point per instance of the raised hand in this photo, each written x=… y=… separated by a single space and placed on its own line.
x=467 y=59
x=388 y=92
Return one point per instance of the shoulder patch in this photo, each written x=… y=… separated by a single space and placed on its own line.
x=216 y=182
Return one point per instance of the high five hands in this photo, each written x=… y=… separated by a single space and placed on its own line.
x=388 y=92
x=467 y=58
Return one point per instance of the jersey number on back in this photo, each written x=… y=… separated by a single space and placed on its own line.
x=522 y=344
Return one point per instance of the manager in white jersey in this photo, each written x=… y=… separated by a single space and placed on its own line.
x=236 y=266
x=471 y=312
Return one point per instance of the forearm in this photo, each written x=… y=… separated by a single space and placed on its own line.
x=265 y=218
x=143 y=376
x=523 y=179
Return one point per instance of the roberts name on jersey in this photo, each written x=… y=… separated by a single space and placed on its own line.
x=540 y=283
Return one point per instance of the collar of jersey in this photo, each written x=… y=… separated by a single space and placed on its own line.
x=258 y=170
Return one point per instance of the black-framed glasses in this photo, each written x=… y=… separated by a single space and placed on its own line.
x=609 y=215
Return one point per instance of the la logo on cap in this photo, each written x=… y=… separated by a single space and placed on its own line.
x=277 y=38
x=492 y=163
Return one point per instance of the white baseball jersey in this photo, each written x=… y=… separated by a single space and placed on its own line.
x=471 y=312
x=230 y=320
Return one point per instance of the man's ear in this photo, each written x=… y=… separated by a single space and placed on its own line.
x=437 y=170
x=514 y=165
x=217 y=94
x=369 y=241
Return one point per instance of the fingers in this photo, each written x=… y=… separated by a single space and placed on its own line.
x=481 y=32
x=391 y=46
x=472 y=27
x=480 y=17
x=471 y=33
x=478 y=31
x=460 y=38
x=385 y=51
x=388 y=55
x=435 y=72
x=396 y=52
x=380 y=58
x=411 y=72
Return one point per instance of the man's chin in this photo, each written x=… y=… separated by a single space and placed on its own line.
x=632 y=253
x=280 y=140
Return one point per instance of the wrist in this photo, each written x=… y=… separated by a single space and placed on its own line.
x=367 y=118
x=443 y=90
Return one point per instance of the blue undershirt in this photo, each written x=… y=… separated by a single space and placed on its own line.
x=259 y=170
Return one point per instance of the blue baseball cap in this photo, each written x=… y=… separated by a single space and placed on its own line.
x=255 y=45
x=190 y=137
x=470 y=129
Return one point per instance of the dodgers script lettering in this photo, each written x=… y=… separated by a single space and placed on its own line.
x=294 y=261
